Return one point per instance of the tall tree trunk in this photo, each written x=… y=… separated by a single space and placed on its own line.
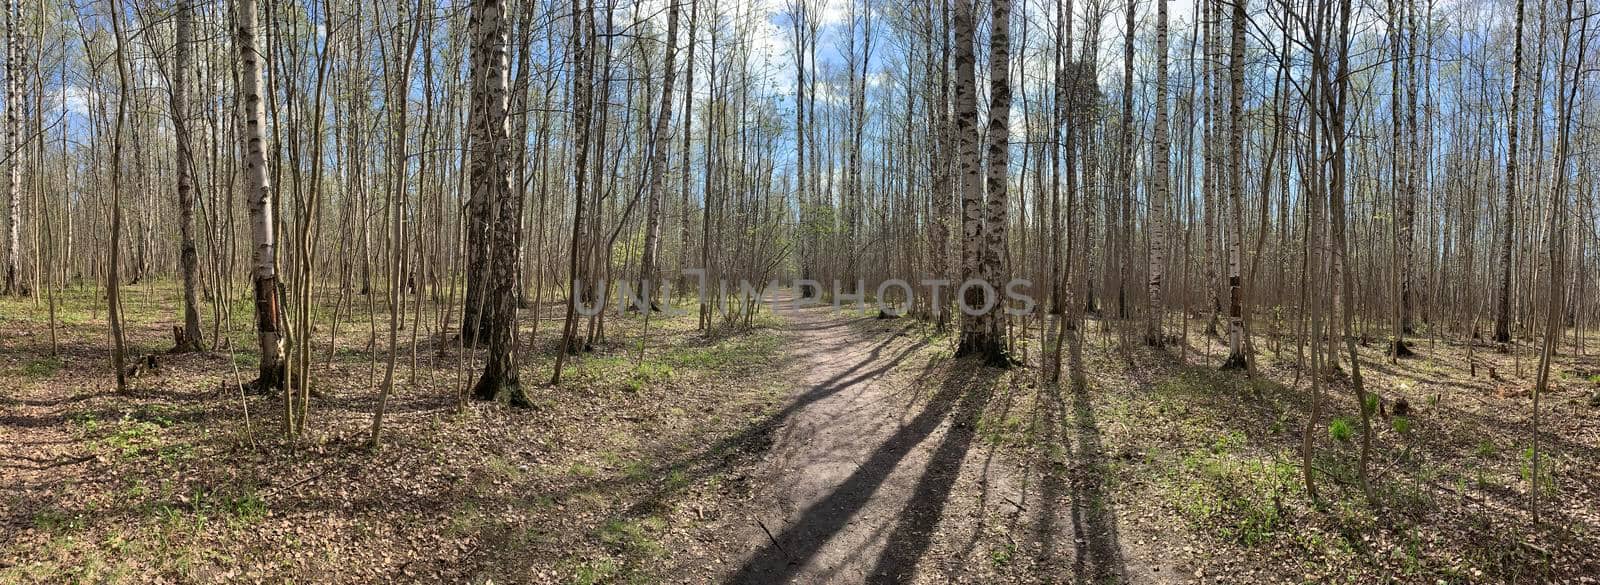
x=1408 y=208
x=1502 y=320
x=858 y=121
x=1120 y=242
x=996 y=219
x=1398 y=186
x=13 y=267
x=983 y=223
x=973 y=328
x=649 y=269
x=113 y=268
x=1210 y=183
x=684 y=187
x=477 y=309
x=1236 y=354
x=259 y=193
x=491 y=182
x=800 y=17
x=183 y=163
x=1159 y=190
x=939 y=158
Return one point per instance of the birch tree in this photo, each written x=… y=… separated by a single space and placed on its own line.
x=189 y=257
x=262 y=202
x=13 y=150
x=649 y=264
x=1237 y=359
x=491 y=182
x=1159 y=189
x=975 y=330
x=996 y=216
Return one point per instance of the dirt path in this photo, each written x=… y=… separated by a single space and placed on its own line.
x=840 y=469
x=878 y=475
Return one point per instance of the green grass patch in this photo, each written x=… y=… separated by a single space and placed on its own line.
x=593 y=571
x=1005 y=430
x=742 y=351
x=1549 y=466
x=1238 y=498
x=646 y=375
x=1002 y=556
x=57 y=522
x=1341 y=430
x=41 y=369
x=130 y=438
x=1486 y=449
x=633 y=538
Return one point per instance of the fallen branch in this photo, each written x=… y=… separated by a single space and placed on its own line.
x=774 y=540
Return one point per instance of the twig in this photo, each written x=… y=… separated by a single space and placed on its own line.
x=1395 y=463
x=774 y=540
x=1020 y=507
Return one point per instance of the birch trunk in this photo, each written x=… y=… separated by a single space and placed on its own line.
x=491 y=183
x=259 y=194
x=13 y=268
x=974 y=329
x=188 y=256
x=649 y=269
x=1236 y=355
x=981 y=250
x=1159 y=190
x=996 y=209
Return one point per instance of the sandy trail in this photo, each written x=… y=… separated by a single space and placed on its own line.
x=868 y=456
x=843 y=466
x=877 y=473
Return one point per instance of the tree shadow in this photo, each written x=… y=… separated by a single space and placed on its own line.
x=725 y=454
x=787 y=552
x=1097 y=552
x=1049 y=412
x=913 y=531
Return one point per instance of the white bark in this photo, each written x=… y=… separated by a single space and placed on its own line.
x=1236 y=333
x=491 y=183
x=1159 y=190
x=995 y=218
x=973 y=328
x=259 y=193
x=648 y=267
x=13 y=268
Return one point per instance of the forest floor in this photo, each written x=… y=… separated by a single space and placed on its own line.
x=814 y=447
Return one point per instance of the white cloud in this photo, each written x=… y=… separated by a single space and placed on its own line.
x=76 y=98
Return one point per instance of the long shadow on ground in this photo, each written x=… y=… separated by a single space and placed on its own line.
x=757 y=437
x=790 y=550
x=913 y=532
x=1098 y=554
